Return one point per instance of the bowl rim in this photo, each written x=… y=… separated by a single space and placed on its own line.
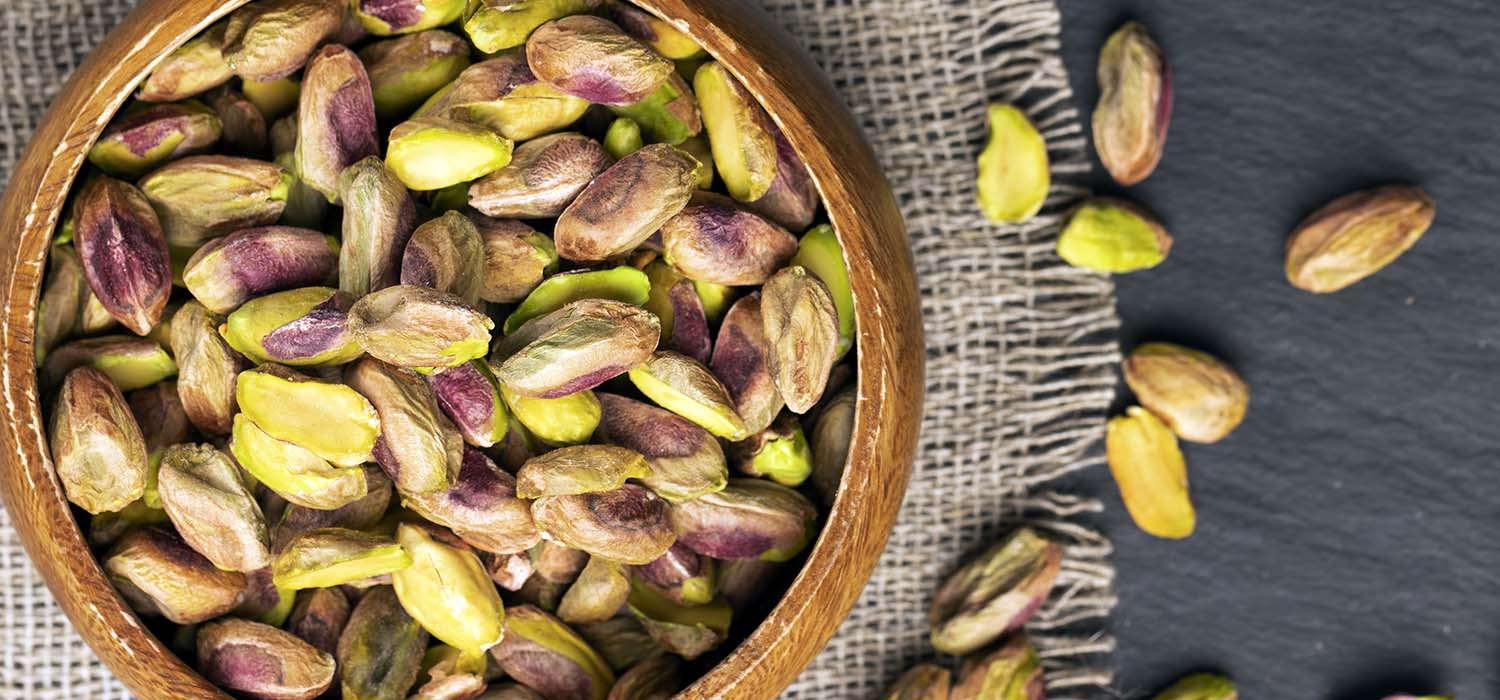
x=890 y=353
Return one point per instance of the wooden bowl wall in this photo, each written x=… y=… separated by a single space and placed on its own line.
x=793 y=91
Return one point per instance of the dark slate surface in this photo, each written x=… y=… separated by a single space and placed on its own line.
x=1347 y=538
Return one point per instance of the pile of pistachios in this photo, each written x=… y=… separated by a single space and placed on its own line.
x=403 y=348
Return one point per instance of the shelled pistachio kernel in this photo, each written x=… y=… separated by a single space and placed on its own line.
x=1111 y=235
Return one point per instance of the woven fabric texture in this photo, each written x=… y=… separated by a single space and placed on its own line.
x=1020 y=346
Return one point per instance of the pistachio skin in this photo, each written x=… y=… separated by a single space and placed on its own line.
x=579 y=469
x=144 y=138
x=496 y=25
x=686 y=461
x=131 y=362
x=1149 y=469
x=714 y=239
x=298 y=327
x=687 y=631
x=749 y=519
x=419 y=328
x=207 y=369
x=670 y=115
x=516 y=259
x=792 y=200
x=1356 y=236
x=245 y=131
x=335 y=119
x=821 y=253
x=470 y=396
x=625 y=204
x=62 y=301
x=629 y=524
x=1197 y=395
x=248 y=263
x=620 y=640
x=544 y=654
x=681 y=575
x=204 y=495
x=419 y=448
x=385 y=18
x=481 y=508
x=203 y=197
x=261 y=662
x=683 y=386
x=575 y=348
x=318 y=618
x=159 y=574
x=193 y=68
x=97 y=447
x=742 y=361
x=592 y=59
x=407 y=70
x=623 y=284
x=503 y=95
x=361 y=513
x=123 y=251
x=599 y=592
x=543 y=177
x=1015 y=174
x=1135 y=104
x=801 y=326
x=995 y=593
x=921 y=682
x=270 y=40
x=1211 y=686
x=379 y=218
x=446 y=254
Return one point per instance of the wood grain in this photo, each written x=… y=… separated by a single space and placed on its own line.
x=859 y=203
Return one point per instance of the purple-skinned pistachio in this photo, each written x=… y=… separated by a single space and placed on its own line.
x=496 y=25
x=263 y=601
x=245 y=131
x=335 y=119
x=97 y=447
x=330 y=420
x=407 y=70
x=318 y=618
x=670 y=293
x=470 y=396
x=516 y=259
x=792 y=200
x=144 y=138
x=419 y=328
x=62 y=301
x=446 y=254
x=714 y=239
x=204 y=495
x=159 y=574
x=502 y=94
x=203 y=197
x=625 y=284
x=921 y=682
x=659 y=34
x=681 y=575
x=599 y=593
x=543 y=177
x=741 y=360
x=1135 y=104
x=657 y=678
x=509 y=571
x=273 y=39
x=261 y=662
x=333 y=556
x=431 y=153
x=380 y=650
x=207 y=369
x=481 y=508
x=379 y=218
x=579 y=469
x=622 y=207
x=122 y=248
x=131 y=362
x=681 y=385
x=686 y=461
x=195 y=67
x=575 y=348
x=670 y=115
x=801 y=325
x=1011 y=671
x=387 y=17
x=447 y=590
x=995 y=593
x=630 y=524
x=620 y=640
x=689 y=631
x=779 y=453
x=739 y=131
x=593 y=59
x=248 y=263
x=744 y=582
x=298 y=327
x=418 y=447
x=544 y=654
x=749 y=519
x=359 y=514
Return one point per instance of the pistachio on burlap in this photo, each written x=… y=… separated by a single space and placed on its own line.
x=262 y=662
x=1114 y=236
x=1012 y=671
x=576 y=347
x=921 y=682
x=995 y=593
x=1015 y=174
x=159 y=574
x=544 y=654
x=212 y=509
x=100 y=456
x=543 y=177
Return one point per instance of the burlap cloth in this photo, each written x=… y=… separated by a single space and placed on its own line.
x=1020 y=347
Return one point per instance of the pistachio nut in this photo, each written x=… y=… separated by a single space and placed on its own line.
x=159 y=574
x=419 y=447
x=481 y=508
x=108 y=526
x=749 y=519
x=1135 y=104
x=387 y=17
x=122 y=248
x=503 y=95
x=1112 y=235
x=681 y=575
x=263 y=601
x=273 y=39
x=921 y=682
x=599 y=593
x=208 y=368
x=579 y=346
x=131 y=362
x=299 y=327
x=245 y=131
x=742 y=361
x=380 y=650
x=1149 y=470
x=274 y=98
x=361 y=513
x=792 y=201
x=689 y=631
x=470 y=396
x=801 y=326
x=98 y=319
x=621 y=641
x=333 y=556
x=779 y=453
x=430 y=153
x=163 y=421
x=677 y=304
x=1012 y=671
x=63 y=298
x=625 y=204
x=542 y=179
x=683 y=386
x=657 y=678
x=540 y=592
x=419 y=328
x=701 y=151
x=1204 y=686
x=97 y=447
x=558 y=563
x=1196 y=394
x=204 y=197
x=335 y=120
x=624 y=284
x=995 y=593
x=1356 y=236
x=318 y=618
x=630 y=525
x=407 y=70
x=446 y=254
x=591 y=58
x=544 y=654
x=332 y=421
x=566 y=420
x=259 y=661
x=496 y=25
x=832 y=433
x=670 y=115
x=659 y=34
x=248 y=263
x=742 y=137
x=143 y=138
x=193 y=68
x=623 y=138
x=448 y=591
x=293 y=472
x=213 y=511
x=449 y=674
x=509 y=571
x=1015 y=174
x=516 y=258
x=379 y=218
x=819 y=251
x=305 y=206
x=579 y=469
x=685 y=460
x=716 y=240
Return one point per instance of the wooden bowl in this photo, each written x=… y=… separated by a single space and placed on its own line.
x=793 y=91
